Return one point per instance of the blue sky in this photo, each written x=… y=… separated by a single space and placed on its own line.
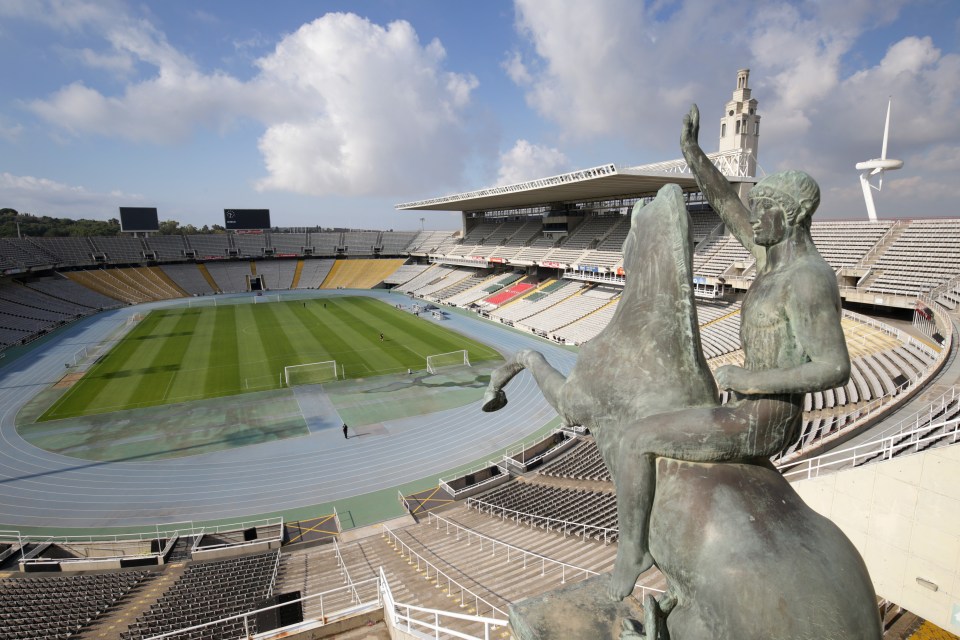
x=330 y=113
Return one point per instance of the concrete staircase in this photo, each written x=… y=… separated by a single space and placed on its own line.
x=499 y=575
x=310 y=572
x=877 y=252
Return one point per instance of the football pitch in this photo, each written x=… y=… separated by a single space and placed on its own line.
x=193 y=353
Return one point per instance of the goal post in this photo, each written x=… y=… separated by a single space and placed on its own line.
x=310 y=373
x=450 y=359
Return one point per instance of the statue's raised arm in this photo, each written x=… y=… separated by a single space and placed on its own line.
x=721 y=196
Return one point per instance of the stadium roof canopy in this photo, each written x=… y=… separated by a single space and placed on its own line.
x=598 y=183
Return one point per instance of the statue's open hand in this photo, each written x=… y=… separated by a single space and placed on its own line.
x=733 y=378
x=691 y=127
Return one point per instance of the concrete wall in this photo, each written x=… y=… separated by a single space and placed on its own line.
x=235 y=550
x=904 y=517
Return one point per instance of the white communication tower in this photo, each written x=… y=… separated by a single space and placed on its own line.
x=876 y=167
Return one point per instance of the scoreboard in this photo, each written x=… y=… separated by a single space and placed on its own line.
x=139 y=219
x=239 y=219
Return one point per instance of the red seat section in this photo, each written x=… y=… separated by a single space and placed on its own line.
x=508 y=294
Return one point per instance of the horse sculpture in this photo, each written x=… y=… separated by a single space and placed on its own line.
x=744 y=556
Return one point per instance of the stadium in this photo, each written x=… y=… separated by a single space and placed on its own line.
x=277 y=434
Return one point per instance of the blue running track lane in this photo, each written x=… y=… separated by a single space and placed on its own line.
x=43 y=489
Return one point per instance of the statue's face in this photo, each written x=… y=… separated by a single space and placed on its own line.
x=769 y=222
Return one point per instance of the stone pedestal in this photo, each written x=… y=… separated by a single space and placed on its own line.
x=578 y=611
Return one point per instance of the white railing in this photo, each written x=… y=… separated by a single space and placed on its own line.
x=273 y=577
x=325 y=616
x=934 y=409
x=925 y=315
x=609 y=277
x=529 y=558
x=734 y=162
x=869 y=256
x=425 y=566
x=519 y=449
x=540 y=183
x=856 y=417
x=566 y=527
x=403 y=617
x=901 y=336
x=189 y=531
x=403 y=501
x=445 y=482
x=862 y=413
x=336 y=520
x=875 y=451
x=343 y=569
x=13 y=539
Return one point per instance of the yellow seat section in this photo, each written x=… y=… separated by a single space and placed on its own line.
x=359 y=274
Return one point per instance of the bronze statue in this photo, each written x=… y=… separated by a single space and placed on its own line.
x=644 y=389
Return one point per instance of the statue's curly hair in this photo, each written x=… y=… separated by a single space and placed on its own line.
x=795 y=191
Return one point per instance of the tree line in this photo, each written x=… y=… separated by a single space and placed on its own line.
x=49 y=227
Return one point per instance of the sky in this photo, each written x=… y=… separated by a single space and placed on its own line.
x=331 y=112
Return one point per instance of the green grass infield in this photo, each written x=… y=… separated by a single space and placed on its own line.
x=192 y=353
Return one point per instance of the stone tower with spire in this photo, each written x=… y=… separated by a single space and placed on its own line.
x=740 y=124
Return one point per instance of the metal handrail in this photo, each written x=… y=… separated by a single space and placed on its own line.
x=437 y=572
x=392 y=606
x=525 y=554
x=869 y=255
x=886 y=448
x=869 y=410
x=166 y=533
x=912 y=423
x=341 y=563
x=521 y=447
x=336 y=520
x=246 y=616
x=273 y=578
x=445 y=485
x=403 y=501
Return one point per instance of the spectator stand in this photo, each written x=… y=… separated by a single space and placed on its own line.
x=476 y=480
x=64 y=606
x=101 y=552
x=563 y=510
x=937 y=433
x=890 y=391
x=524 y=456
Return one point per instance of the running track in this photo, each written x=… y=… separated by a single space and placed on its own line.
x=39 y=488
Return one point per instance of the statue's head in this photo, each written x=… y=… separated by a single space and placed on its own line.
x=782 y=201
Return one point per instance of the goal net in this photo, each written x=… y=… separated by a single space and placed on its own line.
x=310 y=373
x=451 y=359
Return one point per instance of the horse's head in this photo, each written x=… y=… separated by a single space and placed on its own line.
x=663 y=222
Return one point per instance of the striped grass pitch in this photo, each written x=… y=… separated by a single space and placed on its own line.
x=183 y=354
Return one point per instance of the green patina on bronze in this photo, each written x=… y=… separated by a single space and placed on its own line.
x=696 y=493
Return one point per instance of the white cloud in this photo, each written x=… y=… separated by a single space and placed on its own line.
x=516 y=69
x=9 y=132
x=626 y=71
x=527 y=161
x=349 y=107
x=66 y=15
x=369 y=110
x=617 y=68
x=43 y=196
